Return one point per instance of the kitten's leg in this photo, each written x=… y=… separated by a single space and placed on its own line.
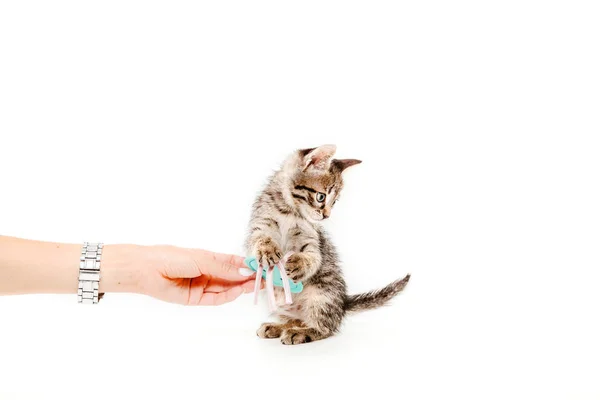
x=264 y=240
x=272 y=331
x=322 y=312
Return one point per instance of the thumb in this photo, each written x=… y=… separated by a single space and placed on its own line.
x=225 y=266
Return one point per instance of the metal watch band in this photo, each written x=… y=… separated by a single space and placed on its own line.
x=89 y=273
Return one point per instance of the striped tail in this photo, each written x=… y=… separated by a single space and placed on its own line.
x=376 y=298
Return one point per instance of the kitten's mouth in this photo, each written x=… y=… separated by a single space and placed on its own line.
x=316 y=218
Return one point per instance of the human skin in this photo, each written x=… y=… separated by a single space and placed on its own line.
x=169 y=273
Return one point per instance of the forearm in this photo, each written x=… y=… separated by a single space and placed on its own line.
x=28 y=266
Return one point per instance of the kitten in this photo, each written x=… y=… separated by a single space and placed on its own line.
x=286 y=217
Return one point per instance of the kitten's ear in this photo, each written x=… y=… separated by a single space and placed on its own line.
x=304 y=152
x=341 y=165
x=318 y=158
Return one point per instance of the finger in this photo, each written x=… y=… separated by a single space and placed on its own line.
x=217 y=285
x=249 y=286
x=224 y=266
x=217 y=299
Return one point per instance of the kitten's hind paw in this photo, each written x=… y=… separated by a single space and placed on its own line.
x=269 y=331
x=297 y=336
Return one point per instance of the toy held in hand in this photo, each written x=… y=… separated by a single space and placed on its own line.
x=275 y=276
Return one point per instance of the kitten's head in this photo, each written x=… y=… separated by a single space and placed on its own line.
x=316 y=180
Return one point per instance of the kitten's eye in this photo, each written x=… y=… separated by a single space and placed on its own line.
x=320 y=197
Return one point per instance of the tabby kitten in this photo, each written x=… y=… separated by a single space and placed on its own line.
x=286 y=217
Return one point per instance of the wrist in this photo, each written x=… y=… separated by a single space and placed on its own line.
x=121 y=268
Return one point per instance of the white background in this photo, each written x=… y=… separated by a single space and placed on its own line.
x=157 y=123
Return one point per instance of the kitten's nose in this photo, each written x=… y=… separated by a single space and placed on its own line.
x=325 y=215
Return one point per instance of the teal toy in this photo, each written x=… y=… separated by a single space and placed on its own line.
x=274 y=275
x=252 y=263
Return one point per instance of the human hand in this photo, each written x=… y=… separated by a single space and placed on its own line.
x=175 y=274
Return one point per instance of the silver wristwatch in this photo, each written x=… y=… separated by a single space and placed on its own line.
x=89 y=273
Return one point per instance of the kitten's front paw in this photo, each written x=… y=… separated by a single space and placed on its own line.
x=268 y=252
x=296 y=266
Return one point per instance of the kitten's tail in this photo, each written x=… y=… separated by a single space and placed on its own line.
x=375 y=298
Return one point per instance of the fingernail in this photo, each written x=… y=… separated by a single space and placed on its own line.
x=246 y=272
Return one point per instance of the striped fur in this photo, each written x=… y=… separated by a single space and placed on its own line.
x=285 y=217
